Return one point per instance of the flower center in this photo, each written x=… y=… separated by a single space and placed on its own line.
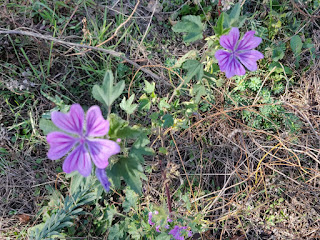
x=82 y=140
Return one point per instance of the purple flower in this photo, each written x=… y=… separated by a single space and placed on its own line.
x=177 y=232
x=150 y=219
x=85 y=147
x=158 y=228
x=239 y=53
x=103 y=178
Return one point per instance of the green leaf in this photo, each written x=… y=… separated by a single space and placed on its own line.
x=130 y=200
x=120 y=128
x=194 y=68
x=129 y=132
x=198 y=91
x=139 y=148
x=163 y=150
x=297 y=61
x=296 y=44
x=104 y=222
x=255 y=83
x=149 y=87
x=163 y=236
x=155 y=118
x=278 y=52
x=186 y=200
x=192 y=26
x=47 y=126
x=279 y=68
x=130 y=170
x=189 y=55
x=116 y=123
x=127 y=105
x=109 y=213
x=218 y=29
x=163 y=104
x=107 y=93
x=76 y=182
x=235 y=12
x=233 y=19
x=145 y=103
x=116 y=233
x=168 y=120
x=133 y=231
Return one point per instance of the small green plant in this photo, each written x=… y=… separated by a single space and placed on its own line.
x=61 y=212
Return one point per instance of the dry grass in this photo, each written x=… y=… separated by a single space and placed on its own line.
x=266 y=185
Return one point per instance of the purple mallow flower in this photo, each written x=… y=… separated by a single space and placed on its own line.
x=177 y=232
x=103 y=178
x=86 y=148
x=150 y=217
x=239 y=53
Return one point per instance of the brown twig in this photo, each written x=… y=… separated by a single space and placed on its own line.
x=146 y=32
x=184 y=168
x=111 y=52
x=65 y=26
x=219 y=7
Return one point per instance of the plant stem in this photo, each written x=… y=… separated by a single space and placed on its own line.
x=169 y=198
x=163 y=173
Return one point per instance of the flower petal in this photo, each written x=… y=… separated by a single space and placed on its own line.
x=175 y=230
x=71 y=122
x=176 y=233
x=150 y=219
x=222 y=57
x=96 y=125
x=100 y=151
x=60 y=144
x=234 y=68
x=230 y=41
x=103 y=178
x=78 y=160
x=249 y=41
x=249 y=59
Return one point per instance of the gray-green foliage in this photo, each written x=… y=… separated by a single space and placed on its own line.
x=278 y=51
x=128 y=167
x=194 y=70
x=219 y=29
x=192 y=26
x=47 y=126
x=66 y=210
x=271 y=115
x=149 y=87
x=127 y=105
x=233 y=19
x=296 y=46
x=130 y=200
x=107 y=93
